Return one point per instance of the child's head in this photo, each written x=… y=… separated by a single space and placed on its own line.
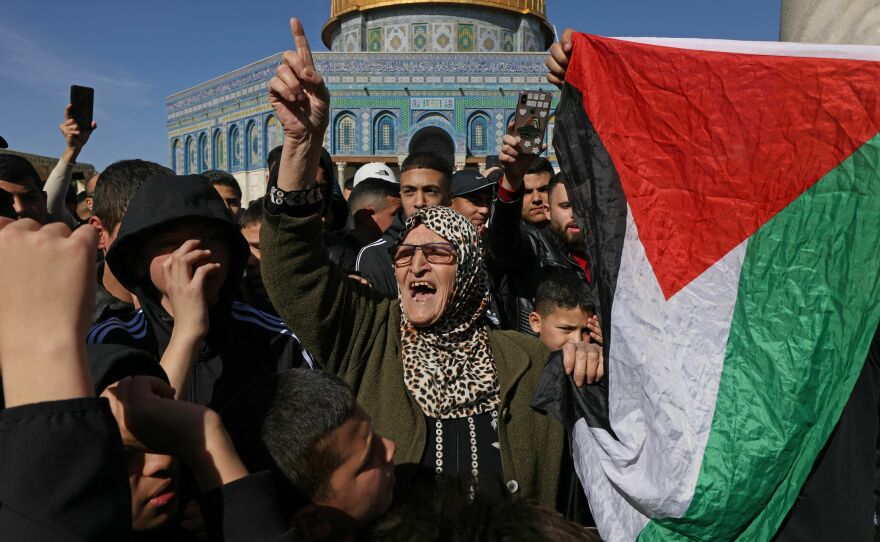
x=307 y=426
x=562 y=310
x=164 y=214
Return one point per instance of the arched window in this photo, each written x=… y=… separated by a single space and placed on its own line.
x=219 y=150
x=191 y=156
x=478 y=134
x=345 y=127
x=177 y=157
x=236 y=152
x=255 y=157
x=384 y=138
x=204 y=153
x=274 y=136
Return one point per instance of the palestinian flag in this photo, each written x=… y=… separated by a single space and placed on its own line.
x=730 y=197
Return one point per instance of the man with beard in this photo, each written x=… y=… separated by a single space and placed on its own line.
x=529 y=256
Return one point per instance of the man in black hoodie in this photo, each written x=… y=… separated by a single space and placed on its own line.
x=180 y=253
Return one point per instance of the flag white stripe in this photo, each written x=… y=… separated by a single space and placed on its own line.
x=665 y=364
x=770 y=48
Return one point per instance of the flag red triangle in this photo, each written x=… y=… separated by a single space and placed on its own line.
x=709 y=146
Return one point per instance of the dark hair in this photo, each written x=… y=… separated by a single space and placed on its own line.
x=541 y=165
x=282 y=423
x=559 y=178
x=445 y=512
x=253 y=215
x=273 y=157
x=427 y=160
x=117 y=185
x=370 y=190
x=221 y=178
x=349 y=183
x=17 y=169
x=565 y=290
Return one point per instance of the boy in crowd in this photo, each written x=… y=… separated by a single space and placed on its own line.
x=112 y=193
x=425 y=180
x=19 y=178
x=307 y=427
x=179 y=252
x=374 y=204
x=472 y=196
x=252 y=289
x=564 y=312
x=536 y=181
x=228 y=188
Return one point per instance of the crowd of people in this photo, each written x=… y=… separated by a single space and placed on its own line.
x=333 y=361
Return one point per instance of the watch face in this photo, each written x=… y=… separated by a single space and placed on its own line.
x=276 y=195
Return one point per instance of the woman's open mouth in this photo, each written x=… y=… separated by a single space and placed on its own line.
x=421 y=291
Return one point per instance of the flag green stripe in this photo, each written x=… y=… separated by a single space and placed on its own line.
x=806 y=310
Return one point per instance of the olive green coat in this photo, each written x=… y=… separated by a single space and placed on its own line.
x=354 y=332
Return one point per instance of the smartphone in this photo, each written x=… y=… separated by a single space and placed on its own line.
x=530 y=122
x=492 y=161
x=83 y=100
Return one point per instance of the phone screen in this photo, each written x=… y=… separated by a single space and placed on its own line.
x=530 y=123
x=82 y=99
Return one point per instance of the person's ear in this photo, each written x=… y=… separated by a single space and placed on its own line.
x=310 y=524
x=535 y=322
x=95 y=222
x=90 y=204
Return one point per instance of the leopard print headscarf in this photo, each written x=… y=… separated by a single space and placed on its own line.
x=448 y=367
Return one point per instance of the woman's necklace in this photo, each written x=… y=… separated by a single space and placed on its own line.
x=475 y=461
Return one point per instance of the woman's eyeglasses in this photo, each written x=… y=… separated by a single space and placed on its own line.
x=438 y=253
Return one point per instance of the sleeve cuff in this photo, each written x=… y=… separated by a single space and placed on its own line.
x=506 y=195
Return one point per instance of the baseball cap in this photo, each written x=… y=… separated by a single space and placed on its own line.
x=374 y=170
x=467 y=181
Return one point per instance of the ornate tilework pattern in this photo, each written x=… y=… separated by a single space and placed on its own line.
x=237 y=151
x=273 y=133
x=374 y=40
x=345 y=127
x=219 y=150
x=397 y=38
x=487 y=39
x=443 y=37
x=204 y=153
x=419 y=38
x=191 y=156
x=465 y=38
x=507 y=41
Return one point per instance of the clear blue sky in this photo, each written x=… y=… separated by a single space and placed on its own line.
x=136 y=53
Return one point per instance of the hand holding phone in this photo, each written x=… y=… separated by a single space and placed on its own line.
x=82 y=100
x=530 y=122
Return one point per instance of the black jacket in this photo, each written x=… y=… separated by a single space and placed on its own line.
x=62 y=473
x=526 y=254
x=242 y=344
x=374 y=262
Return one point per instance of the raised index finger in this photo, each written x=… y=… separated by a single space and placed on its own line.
x=301 y=41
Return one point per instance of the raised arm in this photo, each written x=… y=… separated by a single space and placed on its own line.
x=334 y=317
x=56 y=186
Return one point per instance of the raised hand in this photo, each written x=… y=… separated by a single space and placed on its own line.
x=75 y=136
x=514 y=161
x=298 y=93
x=185 y=274
x=149 y=420
x=47 y=288
x=595 y=330
x=584 y=361
x=557 y=60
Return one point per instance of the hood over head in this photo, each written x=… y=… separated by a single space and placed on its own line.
x=160 y=201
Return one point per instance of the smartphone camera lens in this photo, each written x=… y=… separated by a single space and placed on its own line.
x=523 y=99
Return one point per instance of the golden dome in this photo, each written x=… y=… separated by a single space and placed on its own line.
x=338 y=8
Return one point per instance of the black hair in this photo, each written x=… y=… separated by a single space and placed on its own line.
x=221 y=178
x=117 y=185
x=559 y=178
x=427 y=160
x=349 y=183
x=283 y=422
x=17 y=169
x=565 y=290
x=253 y=215
x=7 y=205
x=541 y=165
x=446 y=512
x=273 y=157
x=370 y=190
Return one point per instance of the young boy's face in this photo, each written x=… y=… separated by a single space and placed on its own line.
x=162 y=244
x=560 y=326
x=155 y=481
